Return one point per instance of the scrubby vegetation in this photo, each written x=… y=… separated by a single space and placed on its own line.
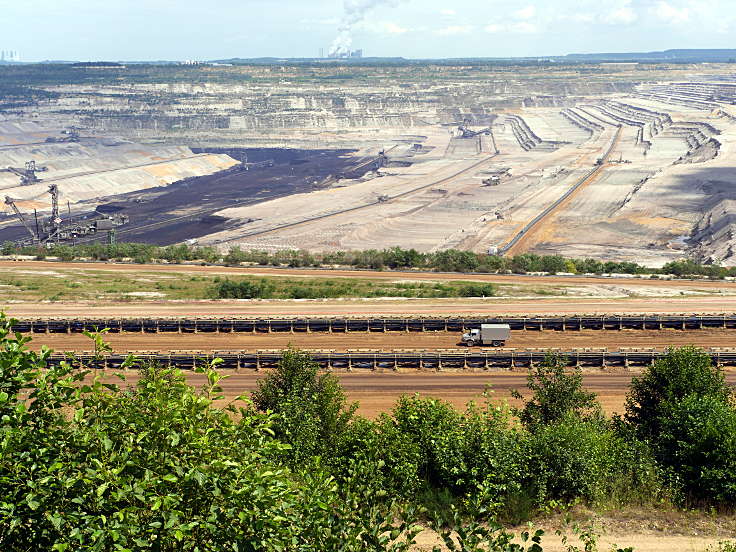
x=313 y=288
x=86 y=465
x=395 y=258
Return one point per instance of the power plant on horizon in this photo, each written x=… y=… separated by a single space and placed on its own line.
x=10 y=56
x=341 y=54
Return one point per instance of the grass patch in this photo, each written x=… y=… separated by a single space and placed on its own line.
x=90 y=284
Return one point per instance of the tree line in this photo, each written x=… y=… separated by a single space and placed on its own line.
x=395 y=258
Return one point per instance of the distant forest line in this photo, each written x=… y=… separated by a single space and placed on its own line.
x=395 y=258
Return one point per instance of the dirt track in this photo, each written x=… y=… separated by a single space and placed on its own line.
x=377 y=308
x=390 y=340
x=378 y=391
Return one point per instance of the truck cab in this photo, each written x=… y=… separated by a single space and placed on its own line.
x=494 y=335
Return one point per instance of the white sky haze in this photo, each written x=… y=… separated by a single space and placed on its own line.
x=188 y=29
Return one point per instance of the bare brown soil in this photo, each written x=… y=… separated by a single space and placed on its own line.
x=390 y=340
x=533 y=234
x=456 y=307
x=377 y=392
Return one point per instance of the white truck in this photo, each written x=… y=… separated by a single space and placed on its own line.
x=488 y=334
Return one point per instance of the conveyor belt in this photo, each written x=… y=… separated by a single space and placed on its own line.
x=408 y=324
x=473 y=359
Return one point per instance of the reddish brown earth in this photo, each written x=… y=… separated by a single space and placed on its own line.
x=390 y=340
x=378 y=391
x=451 y=307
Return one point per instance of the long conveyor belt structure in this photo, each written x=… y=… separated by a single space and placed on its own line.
x=481 y=359
x=400 y=324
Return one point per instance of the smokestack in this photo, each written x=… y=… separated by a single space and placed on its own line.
x=354 y=12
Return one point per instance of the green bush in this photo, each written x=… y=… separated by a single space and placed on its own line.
x=395 y=456
x=682 y=372
x=697 y=444
x=557 y=391
x=477 y=290
x=244 y=289
x=158 y=467
x=459 y=452
x=573 y=458
x=311 y=407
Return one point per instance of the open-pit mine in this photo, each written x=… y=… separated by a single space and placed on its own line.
x=621 y=162
x=616 y=162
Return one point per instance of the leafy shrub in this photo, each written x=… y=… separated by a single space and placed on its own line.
x=395 y=456
x=158 y=467
x=698 y=445
x=477 y=290
x=244 y=289
x=312 y=409
x=574 y=458
x=461 y=451
x=682 y=372
x=557 y=392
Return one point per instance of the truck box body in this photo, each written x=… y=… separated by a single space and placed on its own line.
x=488 y=334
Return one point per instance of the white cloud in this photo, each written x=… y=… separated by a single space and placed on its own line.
x=383 y=27
x=523 y=27
x=623 y=14
x=394 y=29
x=580 y=17
x=525 y=13
x=669 y=13
x=448 y=12
x=329 y=21
x=453 y=30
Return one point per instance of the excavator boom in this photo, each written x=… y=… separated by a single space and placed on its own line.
x=10 y=201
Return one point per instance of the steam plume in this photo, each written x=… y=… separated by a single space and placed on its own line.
x=354 y=12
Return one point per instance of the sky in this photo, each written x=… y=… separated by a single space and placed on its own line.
x=219 y=29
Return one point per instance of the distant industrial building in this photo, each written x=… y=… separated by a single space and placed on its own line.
x=346 y=54
x=9 y=55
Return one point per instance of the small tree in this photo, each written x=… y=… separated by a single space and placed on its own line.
x=312 y=408
x=682 y=372
x=556 y=392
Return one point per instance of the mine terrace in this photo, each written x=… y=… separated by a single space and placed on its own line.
x=614 y=161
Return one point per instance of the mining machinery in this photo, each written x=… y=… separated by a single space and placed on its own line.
x=27 y=174
x=245 y=165
x=69 y=135
x=11 y=202
x=54 y=230
x=54 y=223
x=381 y=160
x=465 y=132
